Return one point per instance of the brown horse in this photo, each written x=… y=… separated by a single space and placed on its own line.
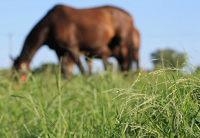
x=136 y=46
x=80 y=30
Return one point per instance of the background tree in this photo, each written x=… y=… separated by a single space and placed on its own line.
x=168 y=58
x=197 y=69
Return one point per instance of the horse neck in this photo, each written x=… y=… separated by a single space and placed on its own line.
x=36 y=38
x=28 y=52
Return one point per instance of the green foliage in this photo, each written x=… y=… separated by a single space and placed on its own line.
x=48 y=67
x=168 y=58
x=162 y=103
x=197 y=69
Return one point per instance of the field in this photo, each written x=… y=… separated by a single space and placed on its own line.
x=161 y=103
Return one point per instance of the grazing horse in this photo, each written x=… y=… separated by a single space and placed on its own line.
x=136 y=46
x=91 y=30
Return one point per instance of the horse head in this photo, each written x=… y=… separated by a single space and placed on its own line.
x=21 y=67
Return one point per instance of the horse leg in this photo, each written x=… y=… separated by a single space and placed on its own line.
x=75 y=54
x=105 y=61
x=124 y=62
x=66 y=63
x=89 y=63
x=67 y=66
x=105 y=53
x=136 y=57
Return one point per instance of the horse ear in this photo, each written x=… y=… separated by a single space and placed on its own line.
x=11 y=57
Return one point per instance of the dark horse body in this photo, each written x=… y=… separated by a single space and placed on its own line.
x=136 y=46
x=97 y=31
x=116 y=52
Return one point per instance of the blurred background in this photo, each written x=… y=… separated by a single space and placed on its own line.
x=162 y=24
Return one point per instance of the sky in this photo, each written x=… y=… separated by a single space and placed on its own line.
x=162 y=24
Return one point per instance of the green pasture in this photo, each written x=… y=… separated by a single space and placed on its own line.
x=160 y=103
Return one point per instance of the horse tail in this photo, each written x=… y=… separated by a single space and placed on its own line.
x=130 y=53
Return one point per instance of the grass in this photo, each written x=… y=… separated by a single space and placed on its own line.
x=161 y=103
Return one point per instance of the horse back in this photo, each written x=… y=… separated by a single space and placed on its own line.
x=82 y=25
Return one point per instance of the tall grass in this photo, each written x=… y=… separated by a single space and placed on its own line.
x=161 y=103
